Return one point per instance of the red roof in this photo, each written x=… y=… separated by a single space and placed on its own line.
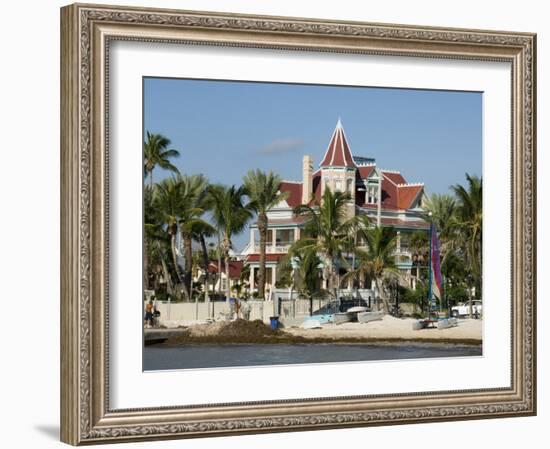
x=396 y=193
x=294 y=190
x=365 y=171
x=317 y=187
x=235 y=268
x=338 y=153
x=407 y=195
x=419 y=224
x=296 y=219
x=268 y=257
x=395 y=196
x=390 y=195
x=395 y=177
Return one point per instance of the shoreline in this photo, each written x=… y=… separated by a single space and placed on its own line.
x=284 y=340
x=388 y=330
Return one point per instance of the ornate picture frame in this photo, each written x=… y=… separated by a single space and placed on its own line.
x=87 y=32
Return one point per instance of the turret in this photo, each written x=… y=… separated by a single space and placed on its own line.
x=338 y=169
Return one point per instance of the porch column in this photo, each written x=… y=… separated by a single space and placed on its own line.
x=274 y=238
x=273 y=275
x=251 y=279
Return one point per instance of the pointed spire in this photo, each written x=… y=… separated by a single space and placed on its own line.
x=338 y=153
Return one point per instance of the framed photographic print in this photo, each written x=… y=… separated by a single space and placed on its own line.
x=268 y=221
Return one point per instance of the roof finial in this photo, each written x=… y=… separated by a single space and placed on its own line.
x=339 y=123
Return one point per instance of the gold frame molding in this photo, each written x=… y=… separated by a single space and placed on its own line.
x=86 y=31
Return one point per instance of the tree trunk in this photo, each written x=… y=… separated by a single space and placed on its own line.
x=376 y=295
x=479 y=269
x=354 y=280
x=381 y=296
x=188 y=270
x=227 y=286
x=146 y=248
x=145 y=262
x=219 y=265
x=262 y=228
x=169 y=286
x=385 y=302
x=175 y=257
x=205 y=266
x=331 y=287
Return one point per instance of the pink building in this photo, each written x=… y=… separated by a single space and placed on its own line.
x=383 y=195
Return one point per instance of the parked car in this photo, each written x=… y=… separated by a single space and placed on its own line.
x=463 y=309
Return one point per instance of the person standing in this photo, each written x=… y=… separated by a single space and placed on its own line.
x=149 y=314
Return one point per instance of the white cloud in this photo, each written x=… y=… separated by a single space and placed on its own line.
x=282 y=146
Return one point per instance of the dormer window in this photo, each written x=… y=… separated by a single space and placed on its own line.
x=372 y=194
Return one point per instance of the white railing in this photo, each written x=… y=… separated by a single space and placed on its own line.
x=403 y=256
x=270 y=249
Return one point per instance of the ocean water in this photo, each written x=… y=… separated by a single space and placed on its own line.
x=162 y=357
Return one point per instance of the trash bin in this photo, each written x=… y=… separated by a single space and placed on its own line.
x=274 y=322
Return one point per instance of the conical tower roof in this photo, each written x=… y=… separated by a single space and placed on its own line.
x=338 y=153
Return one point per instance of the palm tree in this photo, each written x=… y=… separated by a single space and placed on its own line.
x=327 y=231
x=230 y=216
x=168 y=203
x=179 y=200
x=263 y=191
x=156 y=152
x=202 y=230
x=441 y=210
x=148 y=223
x=308 y=266
x=194 y=198
x=419 y=247
x=155 y=243
x=470 y=223
x=378 y=257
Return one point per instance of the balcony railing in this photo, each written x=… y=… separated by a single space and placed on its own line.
x=403 y=256
x=270 y=249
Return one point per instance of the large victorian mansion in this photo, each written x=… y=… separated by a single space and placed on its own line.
x=383 y=195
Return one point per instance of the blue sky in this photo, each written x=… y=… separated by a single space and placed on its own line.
x=224 y=128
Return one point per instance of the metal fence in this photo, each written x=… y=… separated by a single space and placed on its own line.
x=288 y=304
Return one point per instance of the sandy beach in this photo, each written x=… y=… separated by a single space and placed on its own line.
x=390 y=328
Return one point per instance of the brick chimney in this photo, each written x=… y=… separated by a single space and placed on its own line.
x=307 y=179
